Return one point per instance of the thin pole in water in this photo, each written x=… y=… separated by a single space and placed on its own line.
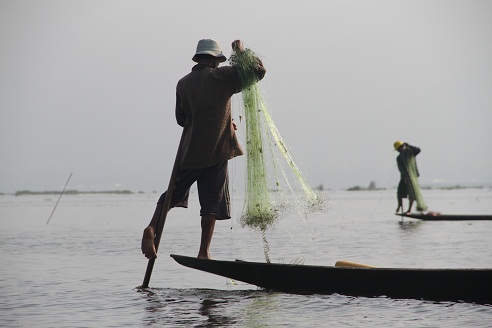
x=165 y=208
x=59 y=198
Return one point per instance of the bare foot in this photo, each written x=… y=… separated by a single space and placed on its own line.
x=204 y=256
x=148 y=248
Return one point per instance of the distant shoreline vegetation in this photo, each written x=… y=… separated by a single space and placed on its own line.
x=455 y=187
x=372 y=186
x=71 y=192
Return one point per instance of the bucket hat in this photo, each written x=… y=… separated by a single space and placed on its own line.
x=209 y=47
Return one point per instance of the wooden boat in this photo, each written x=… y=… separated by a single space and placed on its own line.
x=467 y=285
x=445 y=217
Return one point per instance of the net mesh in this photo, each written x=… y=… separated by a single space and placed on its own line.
x=410 y=163
x=275 y=185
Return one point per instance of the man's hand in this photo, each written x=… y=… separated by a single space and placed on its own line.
x=238 y=45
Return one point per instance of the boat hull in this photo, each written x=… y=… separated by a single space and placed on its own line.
x=467 y=285
x=446 y=217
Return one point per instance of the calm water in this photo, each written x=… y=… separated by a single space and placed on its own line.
x=81 y=270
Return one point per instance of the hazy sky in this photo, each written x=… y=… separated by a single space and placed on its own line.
x=89 y=87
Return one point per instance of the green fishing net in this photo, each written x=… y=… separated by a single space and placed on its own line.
x=410 y=163
x=274 y=183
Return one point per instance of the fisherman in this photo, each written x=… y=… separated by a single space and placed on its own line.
x=203 y=109
x=408 y=186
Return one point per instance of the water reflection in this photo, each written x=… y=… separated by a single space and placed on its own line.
x=409 y=226
x=263 y=311
x=196 y=307
x=211 y=309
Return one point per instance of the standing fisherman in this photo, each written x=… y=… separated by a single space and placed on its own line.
x=408 y=186
x=203 y=109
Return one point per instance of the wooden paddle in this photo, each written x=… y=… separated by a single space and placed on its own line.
x=165 y=208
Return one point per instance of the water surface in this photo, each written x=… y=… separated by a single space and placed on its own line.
x=81 y=270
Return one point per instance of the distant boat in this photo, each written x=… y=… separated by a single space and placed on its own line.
x=467 y=285
x=445 y=217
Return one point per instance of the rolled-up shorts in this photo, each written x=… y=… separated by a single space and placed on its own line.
x=213 y=190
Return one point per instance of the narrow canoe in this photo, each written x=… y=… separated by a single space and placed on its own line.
x=446 y=217
x=466 y=285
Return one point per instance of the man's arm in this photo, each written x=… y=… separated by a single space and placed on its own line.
x=415 y=150
x=180 y=114
x=238 y=45
x=259 y=69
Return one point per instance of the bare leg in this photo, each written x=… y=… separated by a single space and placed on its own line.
x=410 y=206
x=208 y=225
x=400 y=205
x=148 y=247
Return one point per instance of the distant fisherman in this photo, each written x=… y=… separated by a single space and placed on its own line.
x=203 y=109
x=408 y=186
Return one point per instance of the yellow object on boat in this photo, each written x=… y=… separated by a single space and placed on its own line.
x=352 y=264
